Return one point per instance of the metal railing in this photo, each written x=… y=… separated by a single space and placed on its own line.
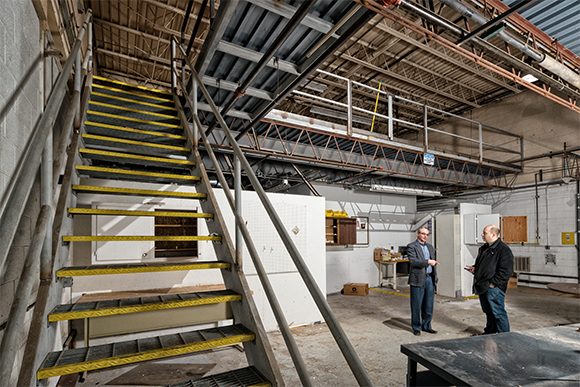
x=391 y=120
x=340 y=337
x=43 y=249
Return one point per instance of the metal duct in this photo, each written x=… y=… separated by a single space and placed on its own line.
x=543 y=60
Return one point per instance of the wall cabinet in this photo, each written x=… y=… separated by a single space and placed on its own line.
x=340 y=231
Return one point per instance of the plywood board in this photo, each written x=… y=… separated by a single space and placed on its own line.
x=514 y=229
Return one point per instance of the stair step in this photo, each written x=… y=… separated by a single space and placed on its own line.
x=101 y=129
x=135 y=192
x=139 y=304
x=243 y=377
x=118 y=157
x=139 y=238
x=124 y=85
x=133 y=103
x=136 y=123
x=94 y=211
x=116 y=92
x=77 y=271
x=134 y=351
x=145 y=147
x=127 y=174
x=128 y=112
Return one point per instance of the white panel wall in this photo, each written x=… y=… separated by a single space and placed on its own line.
x=391 y=219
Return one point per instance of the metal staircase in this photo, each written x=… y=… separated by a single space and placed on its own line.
x=134 y=134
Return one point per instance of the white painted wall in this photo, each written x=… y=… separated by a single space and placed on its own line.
x=557 y=214
x=391 y=219
x=303 y=217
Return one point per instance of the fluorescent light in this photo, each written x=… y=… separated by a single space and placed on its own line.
x=530 y=78
x=403 y=190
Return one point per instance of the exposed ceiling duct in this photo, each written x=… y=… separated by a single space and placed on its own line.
x=543 y=60
x=550 y=64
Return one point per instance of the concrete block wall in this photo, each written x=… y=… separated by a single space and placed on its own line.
x=19 y=47
x=556 y=214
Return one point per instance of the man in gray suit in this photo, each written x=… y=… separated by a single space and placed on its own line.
x=422 y=278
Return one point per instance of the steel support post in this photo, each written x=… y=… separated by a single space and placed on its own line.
x=262 y=275
x=319 y=298
x=196 y=129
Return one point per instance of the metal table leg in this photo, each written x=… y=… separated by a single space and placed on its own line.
x=411 y=372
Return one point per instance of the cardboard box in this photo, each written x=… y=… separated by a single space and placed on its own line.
x=353 y=289
x=381 y=254
x=513 y=282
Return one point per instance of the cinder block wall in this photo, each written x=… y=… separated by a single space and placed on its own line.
x=556 y=214
x=19 y=47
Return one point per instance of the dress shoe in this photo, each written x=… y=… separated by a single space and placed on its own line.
x=429 y=331
x=417 y=333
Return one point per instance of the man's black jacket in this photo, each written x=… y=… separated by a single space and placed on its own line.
x=494 y=264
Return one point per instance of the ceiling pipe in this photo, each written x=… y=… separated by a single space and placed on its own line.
x=297 y=18
x=543 y=60
x=434 y=18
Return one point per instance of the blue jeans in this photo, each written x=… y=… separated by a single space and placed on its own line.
x=422 y=298
x=493 y=305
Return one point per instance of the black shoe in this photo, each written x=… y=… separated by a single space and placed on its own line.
x=417 y=333
x=429 y=331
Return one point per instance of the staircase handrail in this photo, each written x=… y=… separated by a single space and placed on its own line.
x=260 y=270
x=14 y=201
x=338 y=333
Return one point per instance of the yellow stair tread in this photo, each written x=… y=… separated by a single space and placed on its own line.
x=135 y=157
x=140 y=304
x=129 y=191
x=139 y=131
x=97 y=103
x=129 y=100
x=133 y=142
x=138 y=238
x=132 y=172
x=134 y=351
x=115 y=116
x=131 y=85
x=115 y=90
x=180 y=214
x=77 y=271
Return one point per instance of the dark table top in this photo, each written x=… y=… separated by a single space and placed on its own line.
x=536 y=357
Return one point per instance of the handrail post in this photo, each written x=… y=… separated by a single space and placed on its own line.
x=425 y=128
x=238 y=209
x=349 y=114
x=390 y=107
x=173 y=66
x=196 y=129
x=480 y=144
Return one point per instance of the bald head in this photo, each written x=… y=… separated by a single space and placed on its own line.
x=490 y=233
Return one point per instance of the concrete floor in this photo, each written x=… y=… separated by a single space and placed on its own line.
x=377 y=325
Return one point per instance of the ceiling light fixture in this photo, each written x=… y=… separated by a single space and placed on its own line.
x=530 y=78
x=314 y=86
x=403 y=190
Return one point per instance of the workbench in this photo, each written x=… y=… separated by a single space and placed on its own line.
x=390 y=280
x=539 y=357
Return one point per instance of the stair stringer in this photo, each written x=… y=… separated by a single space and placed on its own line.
x=258 y=352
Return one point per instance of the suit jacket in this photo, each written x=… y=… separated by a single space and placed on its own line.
x=418 y=264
